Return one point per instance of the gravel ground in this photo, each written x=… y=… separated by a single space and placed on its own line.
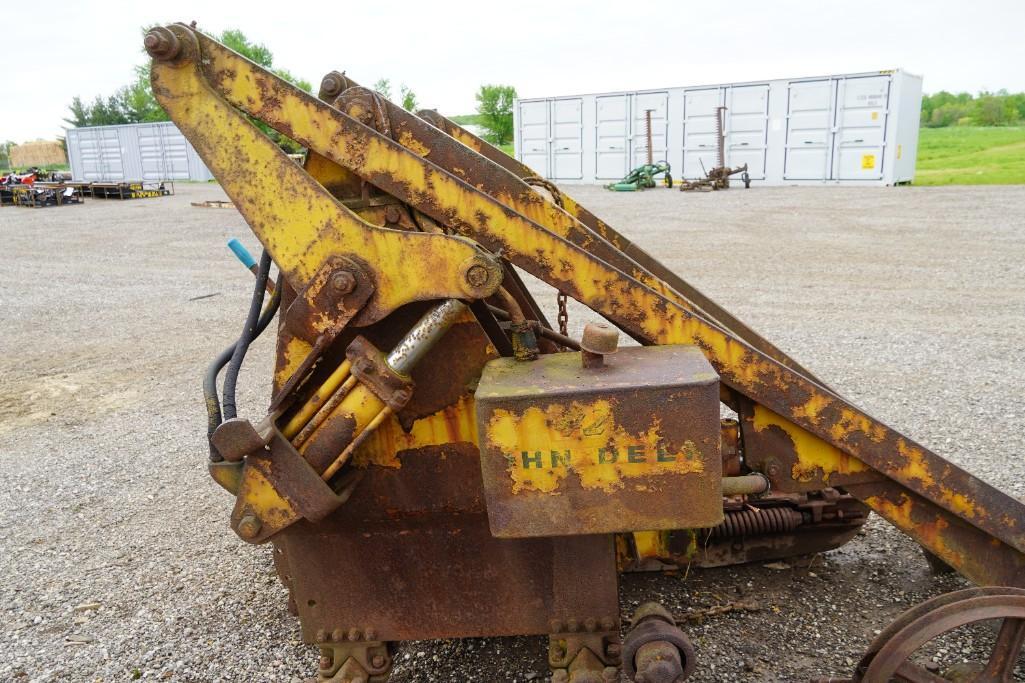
x=116 y=562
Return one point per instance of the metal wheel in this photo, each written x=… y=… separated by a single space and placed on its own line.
x=890 y=656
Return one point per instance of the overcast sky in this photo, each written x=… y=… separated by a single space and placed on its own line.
x=445 y=50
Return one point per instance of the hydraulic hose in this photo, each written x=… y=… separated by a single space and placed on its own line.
x=249 y=333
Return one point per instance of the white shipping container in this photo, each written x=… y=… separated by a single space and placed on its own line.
x=132 y=152
x=853 y=129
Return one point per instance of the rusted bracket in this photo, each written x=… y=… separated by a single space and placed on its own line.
x=330 y=300
x=349 y=662
x=584 y=649
x=278 y=487
x=370 y=367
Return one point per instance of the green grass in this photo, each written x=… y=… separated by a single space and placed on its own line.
x=963 y=155
x=464 y=119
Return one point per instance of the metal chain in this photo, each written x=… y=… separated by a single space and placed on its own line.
x=563 y=316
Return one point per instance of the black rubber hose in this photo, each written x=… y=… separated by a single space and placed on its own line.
x=213 y=401
x=234 y=354
x=246 y=338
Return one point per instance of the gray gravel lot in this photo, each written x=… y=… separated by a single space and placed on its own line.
x=116 y=561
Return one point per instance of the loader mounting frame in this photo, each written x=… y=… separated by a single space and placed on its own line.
x=394 y=212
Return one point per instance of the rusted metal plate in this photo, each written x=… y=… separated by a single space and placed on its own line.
x=410 y=556
x=631 y=445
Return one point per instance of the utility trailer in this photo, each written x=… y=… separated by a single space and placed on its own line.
x=439 y=461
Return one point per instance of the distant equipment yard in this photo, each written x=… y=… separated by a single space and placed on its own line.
x=853 y=129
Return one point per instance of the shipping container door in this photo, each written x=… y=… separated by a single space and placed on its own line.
x=612 y=125
x=567 y=139
x=164 y=153
x=700 y=147
x=88 y=153
x=747 y=116
x=658 y=103
x=861 y=127
x=809 y=130
x=101 y=154
x=534 y=136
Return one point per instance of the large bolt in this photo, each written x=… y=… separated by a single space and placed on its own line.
x=331 y=85
x=378 y=661
x=249 y=526
x=477 y=276
x=598 y=341
x=161 y=43
x=343 y=282
x=326 y=662
x=658 y=662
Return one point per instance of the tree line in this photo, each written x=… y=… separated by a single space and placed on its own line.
x=999 y=108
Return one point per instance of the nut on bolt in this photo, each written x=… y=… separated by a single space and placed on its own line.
x=249 y=526
x=162 y=43
x=477 y=275
x=332 y=84
x=343 y=282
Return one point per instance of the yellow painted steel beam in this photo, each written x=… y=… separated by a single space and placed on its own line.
x=706 y=306
x=295 y=218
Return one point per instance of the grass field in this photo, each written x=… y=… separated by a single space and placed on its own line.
x=962 y=155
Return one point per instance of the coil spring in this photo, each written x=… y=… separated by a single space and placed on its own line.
x=777 y=520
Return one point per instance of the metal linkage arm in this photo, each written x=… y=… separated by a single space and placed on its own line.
x=709 y=308
x=296 y=219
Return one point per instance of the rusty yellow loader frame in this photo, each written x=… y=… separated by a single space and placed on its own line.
x=439 y=461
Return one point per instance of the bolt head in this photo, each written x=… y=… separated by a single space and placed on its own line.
x=161 y=43
x=613 y=649
x=343 y=282
x=591 y=624
x=354 y=634
x=338 y=635
x=572 y=625
x=331 y=85
x=555 y=626
x=477 y=275
x=378 y=661
x=249 y=526
x=601 y=338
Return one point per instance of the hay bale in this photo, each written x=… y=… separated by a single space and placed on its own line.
x=39 y=153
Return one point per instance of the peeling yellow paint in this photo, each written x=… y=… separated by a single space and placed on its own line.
x=409 y=141
x=546 y=446
x=816 y=459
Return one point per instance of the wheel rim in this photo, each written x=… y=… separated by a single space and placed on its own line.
x=893 y=659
